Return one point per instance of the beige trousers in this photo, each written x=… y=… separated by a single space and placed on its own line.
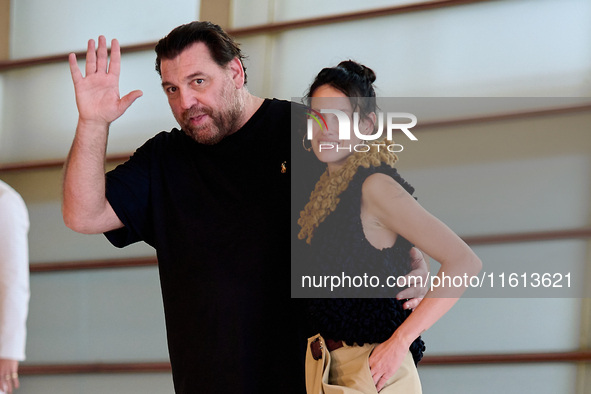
x=346 y=371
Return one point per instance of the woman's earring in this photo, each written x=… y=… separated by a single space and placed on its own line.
x=304 y=144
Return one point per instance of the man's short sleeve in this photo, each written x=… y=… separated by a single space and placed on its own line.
x=128 y=192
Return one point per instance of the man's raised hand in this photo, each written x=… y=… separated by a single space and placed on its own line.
x=97 y=93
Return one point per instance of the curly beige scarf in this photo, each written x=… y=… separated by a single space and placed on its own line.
x=325 y=197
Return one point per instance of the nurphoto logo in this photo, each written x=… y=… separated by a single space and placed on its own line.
x=344 y=123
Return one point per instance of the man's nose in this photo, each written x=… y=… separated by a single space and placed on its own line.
x=188 y=99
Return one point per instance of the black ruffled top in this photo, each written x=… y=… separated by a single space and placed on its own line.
x=339 y=245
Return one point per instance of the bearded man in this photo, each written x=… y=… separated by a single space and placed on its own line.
x=211 y=198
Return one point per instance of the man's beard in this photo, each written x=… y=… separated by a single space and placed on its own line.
x=222 y=123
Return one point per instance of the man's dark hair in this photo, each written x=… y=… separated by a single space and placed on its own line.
x=222 y=47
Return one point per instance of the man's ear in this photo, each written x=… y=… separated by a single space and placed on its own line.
x=237 y=72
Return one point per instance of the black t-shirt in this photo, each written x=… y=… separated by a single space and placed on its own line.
x=218 y=216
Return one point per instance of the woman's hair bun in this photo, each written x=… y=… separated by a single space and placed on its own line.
x=359 y=69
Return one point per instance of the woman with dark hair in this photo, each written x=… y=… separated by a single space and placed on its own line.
x=361 y=214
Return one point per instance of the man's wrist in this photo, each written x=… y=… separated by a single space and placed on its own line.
x=92 y=124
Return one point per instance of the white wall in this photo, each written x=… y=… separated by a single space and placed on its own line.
x=509 y=48
x=40 y=28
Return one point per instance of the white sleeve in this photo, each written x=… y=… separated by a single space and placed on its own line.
x=14 y=274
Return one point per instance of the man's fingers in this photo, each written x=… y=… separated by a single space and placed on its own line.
x=411 y=279
x=416 y=278
x=90 y=58
x=411 y=292
x=74 y=69
x=102 y=55
x=128 y=99
x=412 y=303
x=415 y=254
x=115 y=63
x=417 y=287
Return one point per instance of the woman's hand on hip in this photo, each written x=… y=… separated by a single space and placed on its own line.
x=385 y=360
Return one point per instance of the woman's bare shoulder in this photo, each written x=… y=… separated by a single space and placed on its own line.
x=379 y=186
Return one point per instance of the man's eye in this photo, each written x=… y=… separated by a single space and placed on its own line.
x=198 y=81
x=171 y=89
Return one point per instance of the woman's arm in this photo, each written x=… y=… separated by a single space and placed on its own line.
x=386 y=201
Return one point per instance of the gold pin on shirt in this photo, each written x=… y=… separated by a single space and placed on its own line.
x=284 y=167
